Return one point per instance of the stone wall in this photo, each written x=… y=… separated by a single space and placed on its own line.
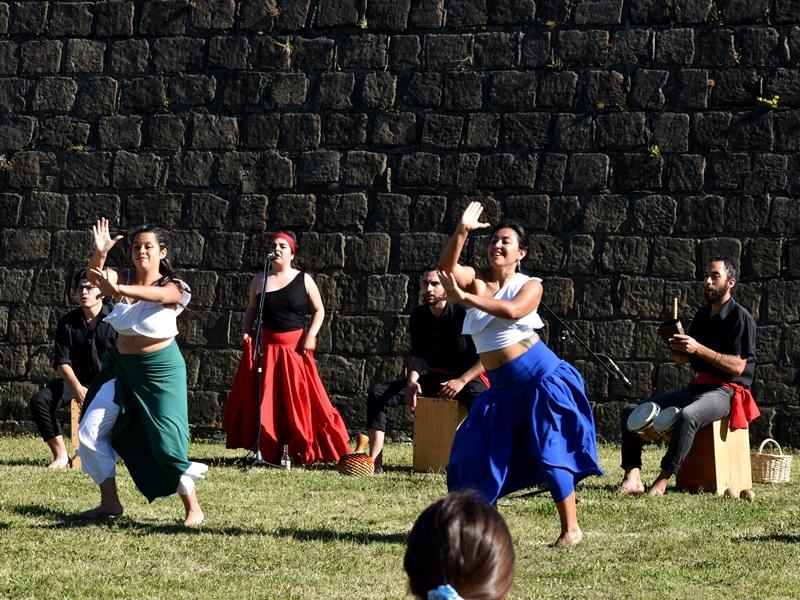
x=632 y=138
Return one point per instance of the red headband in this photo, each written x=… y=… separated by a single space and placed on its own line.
x=287 y=239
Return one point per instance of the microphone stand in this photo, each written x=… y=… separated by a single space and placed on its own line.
x=257 y=356
x=608 y=364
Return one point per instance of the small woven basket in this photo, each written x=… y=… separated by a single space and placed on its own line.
x=771 y=468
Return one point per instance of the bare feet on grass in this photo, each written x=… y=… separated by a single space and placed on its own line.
x=568 y=538
x=194 y=514
x=659 y=487
x=59 y=462
x=631 y=483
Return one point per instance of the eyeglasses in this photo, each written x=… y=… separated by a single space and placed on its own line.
x=87 y=288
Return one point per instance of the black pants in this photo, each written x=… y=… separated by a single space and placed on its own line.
x=44 y=404
x=700 y=406
x=386 y=395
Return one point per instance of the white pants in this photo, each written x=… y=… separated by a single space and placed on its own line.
x=98 y=458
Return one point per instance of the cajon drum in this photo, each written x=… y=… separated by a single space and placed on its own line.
x=719 y=459
x=435 y=424
x=75 y=420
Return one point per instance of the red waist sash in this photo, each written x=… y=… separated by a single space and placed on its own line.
x=743 y=405
x=482 y=376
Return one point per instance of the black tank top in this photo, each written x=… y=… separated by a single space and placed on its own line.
x=285 y=309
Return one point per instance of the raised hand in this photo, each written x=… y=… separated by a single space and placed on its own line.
x=100 y=277
x=470 y=219
x=450 y=285
x=103 y=242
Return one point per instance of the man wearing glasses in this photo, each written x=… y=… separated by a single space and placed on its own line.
x=82 y=337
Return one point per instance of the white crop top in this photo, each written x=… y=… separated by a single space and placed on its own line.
x=491 y=333
x=149 y=319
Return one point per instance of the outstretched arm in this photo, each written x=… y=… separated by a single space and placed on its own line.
x=448 y=261
x=526 y=301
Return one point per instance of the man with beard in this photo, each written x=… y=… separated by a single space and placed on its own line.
x=721 y=345
x=443 y=363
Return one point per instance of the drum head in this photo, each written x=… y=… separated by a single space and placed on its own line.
x=666 y=419
x=642 y=416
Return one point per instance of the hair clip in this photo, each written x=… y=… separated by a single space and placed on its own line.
x=444 y=592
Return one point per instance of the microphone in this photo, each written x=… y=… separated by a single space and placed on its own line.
x=271 y=255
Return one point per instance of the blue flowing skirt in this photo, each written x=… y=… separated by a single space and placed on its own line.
x=533 y=426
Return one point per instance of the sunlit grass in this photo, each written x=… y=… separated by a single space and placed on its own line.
x=316 y=534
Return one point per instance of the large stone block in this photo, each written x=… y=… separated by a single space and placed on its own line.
x=25 y=246
x=342 y=212
x=294 y=211
x=113 y=19
x=513 y=89
x=463 y=91
x=654 y=214
x=420 y=249
x=15 y=285
x=161 y=208
x=360 y=336
x=387 y=293
x=45 y=209
x=300 y=131
x=86 y=169
x=136 y=171
x=85 y=56
x=369 y=253
x=364 y=52
x=527 y=130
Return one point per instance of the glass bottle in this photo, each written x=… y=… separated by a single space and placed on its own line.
x=286 y=462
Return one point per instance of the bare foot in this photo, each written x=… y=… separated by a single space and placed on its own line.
x=659 y=487
x=194 y=517
x=631 y=487
x=568 y=538
x=101 y=512
x=60 y=462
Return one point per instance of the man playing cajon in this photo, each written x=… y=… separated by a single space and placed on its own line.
x=443 y=363
x=721 y=345
x=82 y=337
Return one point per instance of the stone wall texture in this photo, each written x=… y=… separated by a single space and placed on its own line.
x=634 y=139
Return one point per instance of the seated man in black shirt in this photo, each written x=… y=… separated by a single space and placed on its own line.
x=721 y=345
x=443 y=363
x=82 y=336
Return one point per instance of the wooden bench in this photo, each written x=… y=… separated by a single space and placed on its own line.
x=719 y=460
x=435 y=424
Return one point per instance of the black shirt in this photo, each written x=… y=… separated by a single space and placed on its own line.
x=82 y=346
x=731 y=331
x=285 y=309
x=438 y=340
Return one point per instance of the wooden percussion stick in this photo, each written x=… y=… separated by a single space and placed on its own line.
x=675 y=308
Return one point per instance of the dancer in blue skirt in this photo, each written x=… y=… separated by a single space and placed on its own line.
x=534 y=425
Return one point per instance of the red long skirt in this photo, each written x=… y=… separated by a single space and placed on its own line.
x=295 y=408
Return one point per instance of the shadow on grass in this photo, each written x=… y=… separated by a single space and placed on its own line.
x=782 y=538
x=328 y=535
x=27 y=462
x=65 y=520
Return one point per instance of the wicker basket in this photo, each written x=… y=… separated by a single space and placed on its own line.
x=771 y=468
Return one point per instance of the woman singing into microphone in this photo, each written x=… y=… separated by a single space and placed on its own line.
x=534 y=424
x=294 y=408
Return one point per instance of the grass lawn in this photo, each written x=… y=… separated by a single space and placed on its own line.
x=316 y=534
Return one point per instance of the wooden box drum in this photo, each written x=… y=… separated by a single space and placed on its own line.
x=665 y=422
x=641 y=421
x=435 y=424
